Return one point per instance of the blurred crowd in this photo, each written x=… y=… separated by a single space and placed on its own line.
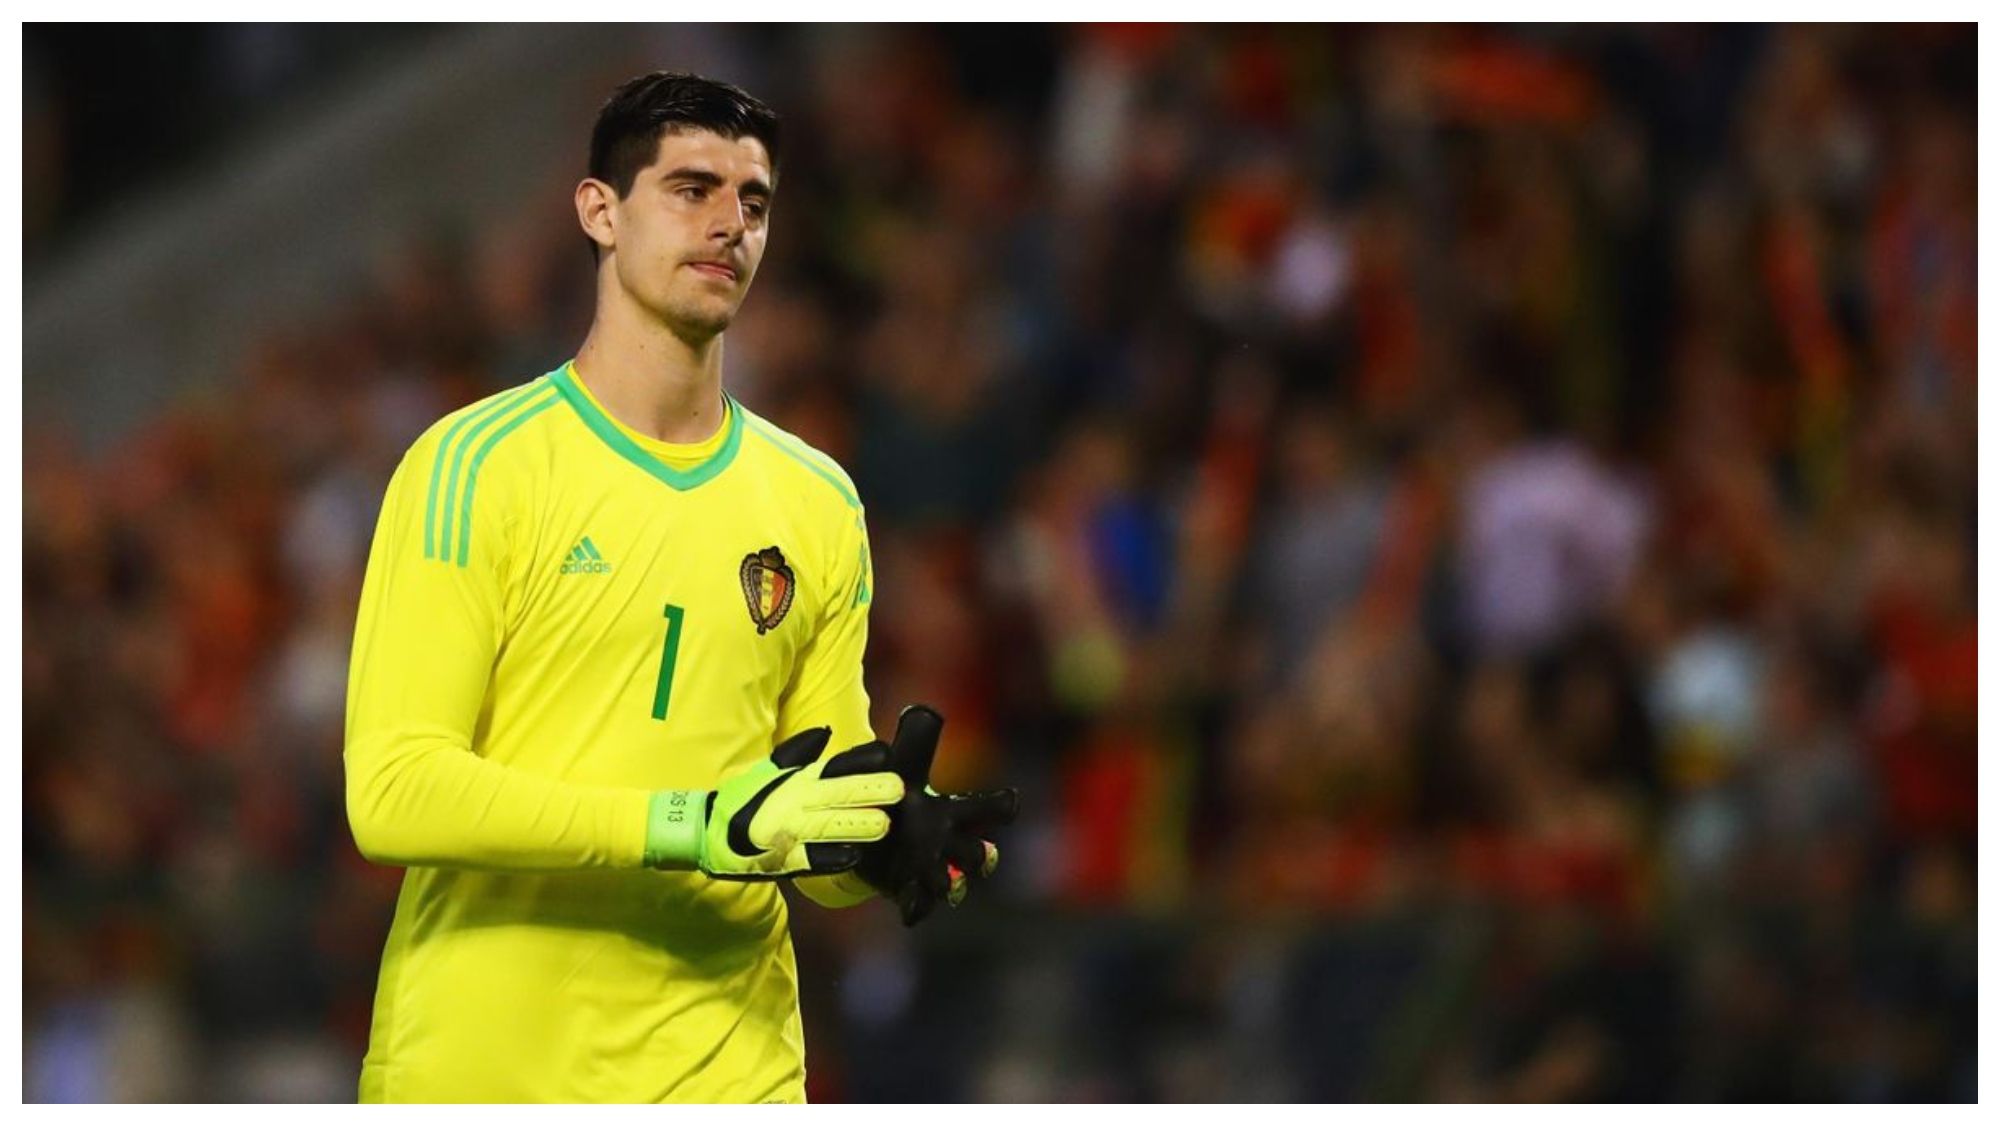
x=1464 y=539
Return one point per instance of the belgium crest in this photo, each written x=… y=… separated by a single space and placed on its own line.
x=768 y=584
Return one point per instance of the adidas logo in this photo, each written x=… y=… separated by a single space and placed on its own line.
x=583 y=559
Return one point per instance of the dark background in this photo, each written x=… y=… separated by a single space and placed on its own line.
x=1464 y=538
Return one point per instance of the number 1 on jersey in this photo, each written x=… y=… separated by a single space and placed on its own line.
x=668 y=650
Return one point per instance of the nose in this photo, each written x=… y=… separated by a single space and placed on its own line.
x=727 y=221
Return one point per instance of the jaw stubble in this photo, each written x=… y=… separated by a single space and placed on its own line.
x=694 y=316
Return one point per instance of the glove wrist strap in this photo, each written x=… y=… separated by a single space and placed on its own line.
x=674 y=823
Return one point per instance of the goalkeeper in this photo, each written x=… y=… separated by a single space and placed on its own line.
x=606 y=685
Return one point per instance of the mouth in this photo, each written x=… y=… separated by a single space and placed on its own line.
x=721 y=270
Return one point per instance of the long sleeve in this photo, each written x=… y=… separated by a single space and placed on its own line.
x=432 y=617
x=827 y=690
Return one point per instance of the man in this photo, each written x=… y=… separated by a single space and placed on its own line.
x=595 y=604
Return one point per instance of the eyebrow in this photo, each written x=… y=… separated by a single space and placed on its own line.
x=703 y=176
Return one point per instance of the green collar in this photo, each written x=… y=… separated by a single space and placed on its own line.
x=564 y=379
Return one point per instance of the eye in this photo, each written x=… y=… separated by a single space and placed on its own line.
x=754 y=208
x=693 y=193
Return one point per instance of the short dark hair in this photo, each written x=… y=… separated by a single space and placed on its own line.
x=627 y=135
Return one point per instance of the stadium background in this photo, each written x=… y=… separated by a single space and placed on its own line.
x=1463 y=537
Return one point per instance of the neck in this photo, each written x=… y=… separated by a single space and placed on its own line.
x=650 y=377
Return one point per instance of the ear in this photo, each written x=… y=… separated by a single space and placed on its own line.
x=596 y=204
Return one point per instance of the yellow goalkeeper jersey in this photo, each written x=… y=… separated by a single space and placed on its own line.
x=561 y=616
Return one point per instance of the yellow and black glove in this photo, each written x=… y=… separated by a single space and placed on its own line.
x=936 y=843
x=790 y=815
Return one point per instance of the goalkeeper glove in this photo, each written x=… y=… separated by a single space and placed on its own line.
x=789 y=815
x=936 y=842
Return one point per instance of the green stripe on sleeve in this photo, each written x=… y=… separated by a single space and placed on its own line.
x=435 y=548
x=862 y=594
x=472 y=477
x=830 y=476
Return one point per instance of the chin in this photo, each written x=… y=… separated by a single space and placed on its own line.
x=699 y=318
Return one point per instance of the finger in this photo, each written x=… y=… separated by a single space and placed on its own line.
x=935 y=879
x=827 y=859
x=992 y=864
x=802 y=749
x=871 y=757
x=958 y=885
x=855 y=825
x=917 y=731
x=915 y=904
x=966 y=853
x=857 y=792
x=985 y=811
